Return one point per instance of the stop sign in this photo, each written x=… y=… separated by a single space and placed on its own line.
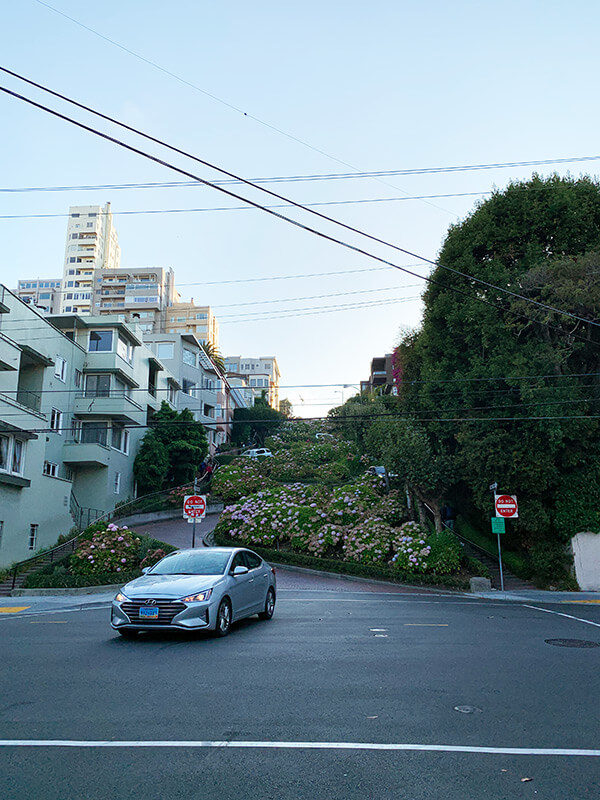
x=506 y=506
x=194 y=505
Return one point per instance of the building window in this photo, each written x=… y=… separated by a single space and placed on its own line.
x=189 y=357
x=74 y=215
x=56 y=418
x=97 y=385
x=60 y=369
x=100 y=342
x=120 y=437
x=125 y=349
x=50 y=469
x=90 y=225
x=33 y=530
x=77 y=378
x=67 y=308
x=117 y=487
x=201 y=316
x=172 y=395
x=11 y=454
x=93 y=432
x=165 y=349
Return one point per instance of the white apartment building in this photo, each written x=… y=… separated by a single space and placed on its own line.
x=92 y=244
x=43 y=293
x=75 y=396
x=262 y=374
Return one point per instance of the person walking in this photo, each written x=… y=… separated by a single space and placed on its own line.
x=448 y=515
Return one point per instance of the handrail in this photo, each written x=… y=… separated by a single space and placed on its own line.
x=107 y=516
x=464 y=538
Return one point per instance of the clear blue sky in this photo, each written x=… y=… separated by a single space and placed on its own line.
x=379 y=86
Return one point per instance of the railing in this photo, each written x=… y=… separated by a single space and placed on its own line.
x=30 y=399
x=71 y=544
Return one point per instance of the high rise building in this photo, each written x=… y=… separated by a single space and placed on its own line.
x=92 y=244
x=143 y=295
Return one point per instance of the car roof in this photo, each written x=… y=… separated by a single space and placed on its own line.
x=212 y=550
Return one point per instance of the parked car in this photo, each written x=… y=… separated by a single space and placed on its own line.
x=324 y=436
x=258 y=452
x=382 y=471
x=206 y=589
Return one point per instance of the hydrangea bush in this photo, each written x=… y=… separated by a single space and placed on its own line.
x=410 y=548
x=368 y=542
x=242 y=477
x=109 y=550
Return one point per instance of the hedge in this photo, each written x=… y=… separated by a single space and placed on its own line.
x=37 y=580
x=349 y=567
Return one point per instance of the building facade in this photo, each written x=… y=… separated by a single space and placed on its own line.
x=43 y=293
x=261 y=374
x=75 y=396
x=92 y=244
x=381 y=379
x=142 y=295
x=189 y=318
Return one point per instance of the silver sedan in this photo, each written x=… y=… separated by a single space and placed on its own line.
x=206 y=589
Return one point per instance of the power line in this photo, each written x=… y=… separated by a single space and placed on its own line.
x=246 y=208
x=291 y=221
x=331 y=176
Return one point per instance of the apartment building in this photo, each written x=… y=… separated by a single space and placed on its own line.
x=142 y=295
x=262 y=374
x=189 y=318
x=92 y=244
x=381 y=378
x=43 y=293
x=75 y=396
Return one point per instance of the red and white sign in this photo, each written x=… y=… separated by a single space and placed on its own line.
x=194 y=506
x=506 y=506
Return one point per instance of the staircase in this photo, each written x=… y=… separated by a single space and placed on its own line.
x=41 y=561
x=511 y=582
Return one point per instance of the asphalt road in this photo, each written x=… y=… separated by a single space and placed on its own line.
x=338 y=664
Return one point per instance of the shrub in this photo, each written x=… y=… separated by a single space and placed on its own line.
x=109 y=550
x=445 y=553
x=550 y=562
x=411 y=549
x=475 y=567
x=241 y=478
x=368 y=542
x=152 y=558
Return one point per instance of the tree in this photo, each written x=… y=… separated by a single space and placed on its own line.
x=539 y=239
x=215 y=355
x=171 y=451
x=286 y=407
x=256 y=423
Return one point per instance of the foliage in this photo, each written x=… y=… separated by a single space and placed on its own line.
x=410 y=548
x=152 y=557
x=110 y=550
x=255 y=424
x=475 y=567
x=368 y=542
x=240 y=478
x=171 y=451
x=286 y=407
x=550 y=562
x=214 y=354
x=445 y=553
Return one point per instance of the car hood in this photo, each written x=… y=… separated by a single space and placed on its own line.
x=169 y=585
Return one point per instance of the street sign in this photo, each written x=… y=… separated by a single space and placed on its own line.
x=506 y=506
x=194 y=506
x=498 y=525
x=493 y=486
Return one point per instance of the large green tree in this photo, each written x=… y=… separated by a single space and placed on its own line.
x=254 y=424
x=171 y=451
x=470 y=361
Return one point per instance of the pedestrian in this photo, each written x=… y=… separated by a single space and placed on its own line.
x=448 y=516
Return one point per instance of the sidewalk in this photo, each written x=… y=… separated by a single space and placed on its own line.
x=539 y=596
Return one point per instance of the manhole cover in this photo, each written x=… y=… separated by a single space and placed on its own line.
x=572 y=643
x=467 y=709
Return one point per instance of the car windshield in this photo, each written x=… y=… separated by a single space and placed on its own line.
x=197 y=563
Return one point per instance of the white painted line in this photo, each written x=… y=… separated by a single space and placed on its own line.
x=378 y=630
x=434 y=748
x=560 y=614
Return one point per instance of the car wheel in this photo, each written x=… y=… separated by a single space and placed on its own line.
x=127 y=633
x=269 y=606
x=223 y=618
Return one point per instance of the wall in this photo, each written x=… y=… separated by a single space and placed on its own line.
x=586 y=552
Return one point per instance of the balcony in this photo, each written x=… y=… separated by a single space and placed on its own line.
x=29 y=399
x=86 y=454
x=114 y=407
x=10 y=354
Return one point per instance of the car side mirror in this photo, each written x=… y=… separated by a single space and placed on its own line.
x=145 y=570
x=239 y=571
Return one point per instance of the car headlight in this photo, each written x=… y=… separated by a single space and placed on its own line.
x=200 y=597
x=120 y=597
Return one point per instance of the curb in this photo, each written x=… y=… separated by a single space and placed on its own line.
x=357 y=579
x=72 y=591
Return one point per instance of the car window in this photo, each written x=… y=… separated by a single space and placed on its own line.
x=252 y=560
x=238 y=561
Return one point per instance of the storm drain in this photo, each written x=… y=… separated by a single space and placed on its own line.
x=572 y=643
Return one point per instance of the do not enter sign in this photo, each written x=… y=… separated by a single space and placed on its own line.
x=194 y=505
x=506 y=506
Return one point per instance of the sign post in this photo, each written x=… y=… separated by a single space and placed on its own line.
x=194 y=507
x=506 y=508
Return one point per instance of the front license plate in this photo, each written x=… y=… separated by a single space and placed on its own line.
x=150 y=613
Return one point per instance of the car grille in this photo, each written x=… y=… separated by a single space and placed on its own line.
x=167 y=609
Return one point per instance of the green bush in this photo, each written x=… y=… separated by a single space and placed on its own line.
x=475 y=567
x=62 y=580
x=445 y=553
x=550 y=562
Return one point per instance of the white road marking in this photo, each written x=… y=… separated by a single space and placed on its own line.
x=378 y=630
x=560 y=614
x=434 y=748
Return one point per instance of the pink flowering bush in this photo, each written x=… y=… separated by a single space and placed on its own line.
x=152 y=558
x=324 y=541
x=410 y=548
x=110 y=550
x=241 y=478
x=368 y=542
